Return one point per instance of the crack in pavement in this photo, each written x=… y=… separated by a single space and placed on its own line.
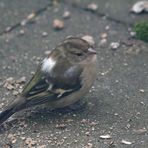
x=27 y=20
x=75 y=5
x=100 y=14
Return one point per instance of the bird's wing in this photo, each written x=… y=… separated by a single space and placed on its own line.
x=36 y=85
x=66 y=82
x=50 y=87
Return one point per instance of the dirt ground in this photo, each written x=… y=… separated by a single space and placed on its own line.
x=116 y=113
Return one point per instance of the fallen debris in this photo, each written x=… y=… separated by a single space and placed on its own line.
x=66 y=15
x=141 y=131
x=114 y=45
x=139 y=7
x=92 y=7
x=105 y=136
x=58 y=24
x=126 y=142
x=61 y=126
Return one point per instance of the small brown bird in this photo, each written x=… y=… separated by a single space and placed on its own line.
x=61 y=79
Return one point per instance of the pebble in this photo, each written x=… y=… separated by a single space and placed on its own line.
x=126 y=142
x=44 y=34
x=141 y=90
x=141 y=130
x=114 y=45
x=139 y=7
x=104 y=35
x=15 y=93
x=58 y=24
x=30 y=142
x=89 y=145
x=103 y=42
x=22 y=32
x=31 y=16
x=23 y=22
x=92 y=7
x=132 y=34
x=105 y=136
x=61 y=126
x=66 y=15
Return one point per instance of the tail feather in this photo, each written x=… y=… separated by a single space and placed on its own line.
x=5 y=115
x=17 y=105
x=22 y=103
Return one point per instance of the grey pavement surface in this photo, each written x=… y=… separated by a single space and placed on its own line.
x=118 y=102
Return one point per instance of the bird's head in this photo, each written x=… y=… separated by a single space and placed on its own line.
x=76 y=48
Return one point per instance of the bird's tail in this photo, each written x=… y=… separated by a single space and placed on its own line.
x=17 y=105
x=22 y=103
x=5 y=115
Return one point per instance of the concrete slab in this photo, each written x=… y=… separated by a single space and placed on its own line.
x=117 y=104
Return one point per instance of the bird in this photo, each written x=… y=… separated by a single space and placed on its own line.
x=61 y=79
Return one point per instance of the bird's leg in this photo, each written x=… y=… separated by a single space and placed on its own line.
x=58 y=91
x=61 y=91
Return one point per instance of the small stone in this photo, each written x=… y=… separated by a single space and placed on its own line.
x=93 y=123
x=132 y=34
x=114 y=45
x=23 y=138
x=61 y=126
x=87 y=133
x=103 y=42
x=10 y=87
x=141 y=131
x=141 y=90
x=75 y=140
x=23 y=22
x=105 y=136
x=92 y=7
x=30 y=142
x=66 y=15
x=89 y=145
x=10 y=80
x=84 y=121
x=14 y=141
x=15 y=93
x=126 y=142
x=89 y=39
x=31 y=16
x=139 y=7
x=104 y=35
x=22 y=32
x=107 y=27
x=58 y=24
x=44 y=34
x=8 y=29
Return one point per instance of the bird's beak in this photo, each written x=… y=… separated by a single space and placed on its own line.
x=92 y=50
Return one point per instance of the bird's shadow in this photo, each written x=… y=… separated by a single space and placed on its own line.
x=41 y=116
